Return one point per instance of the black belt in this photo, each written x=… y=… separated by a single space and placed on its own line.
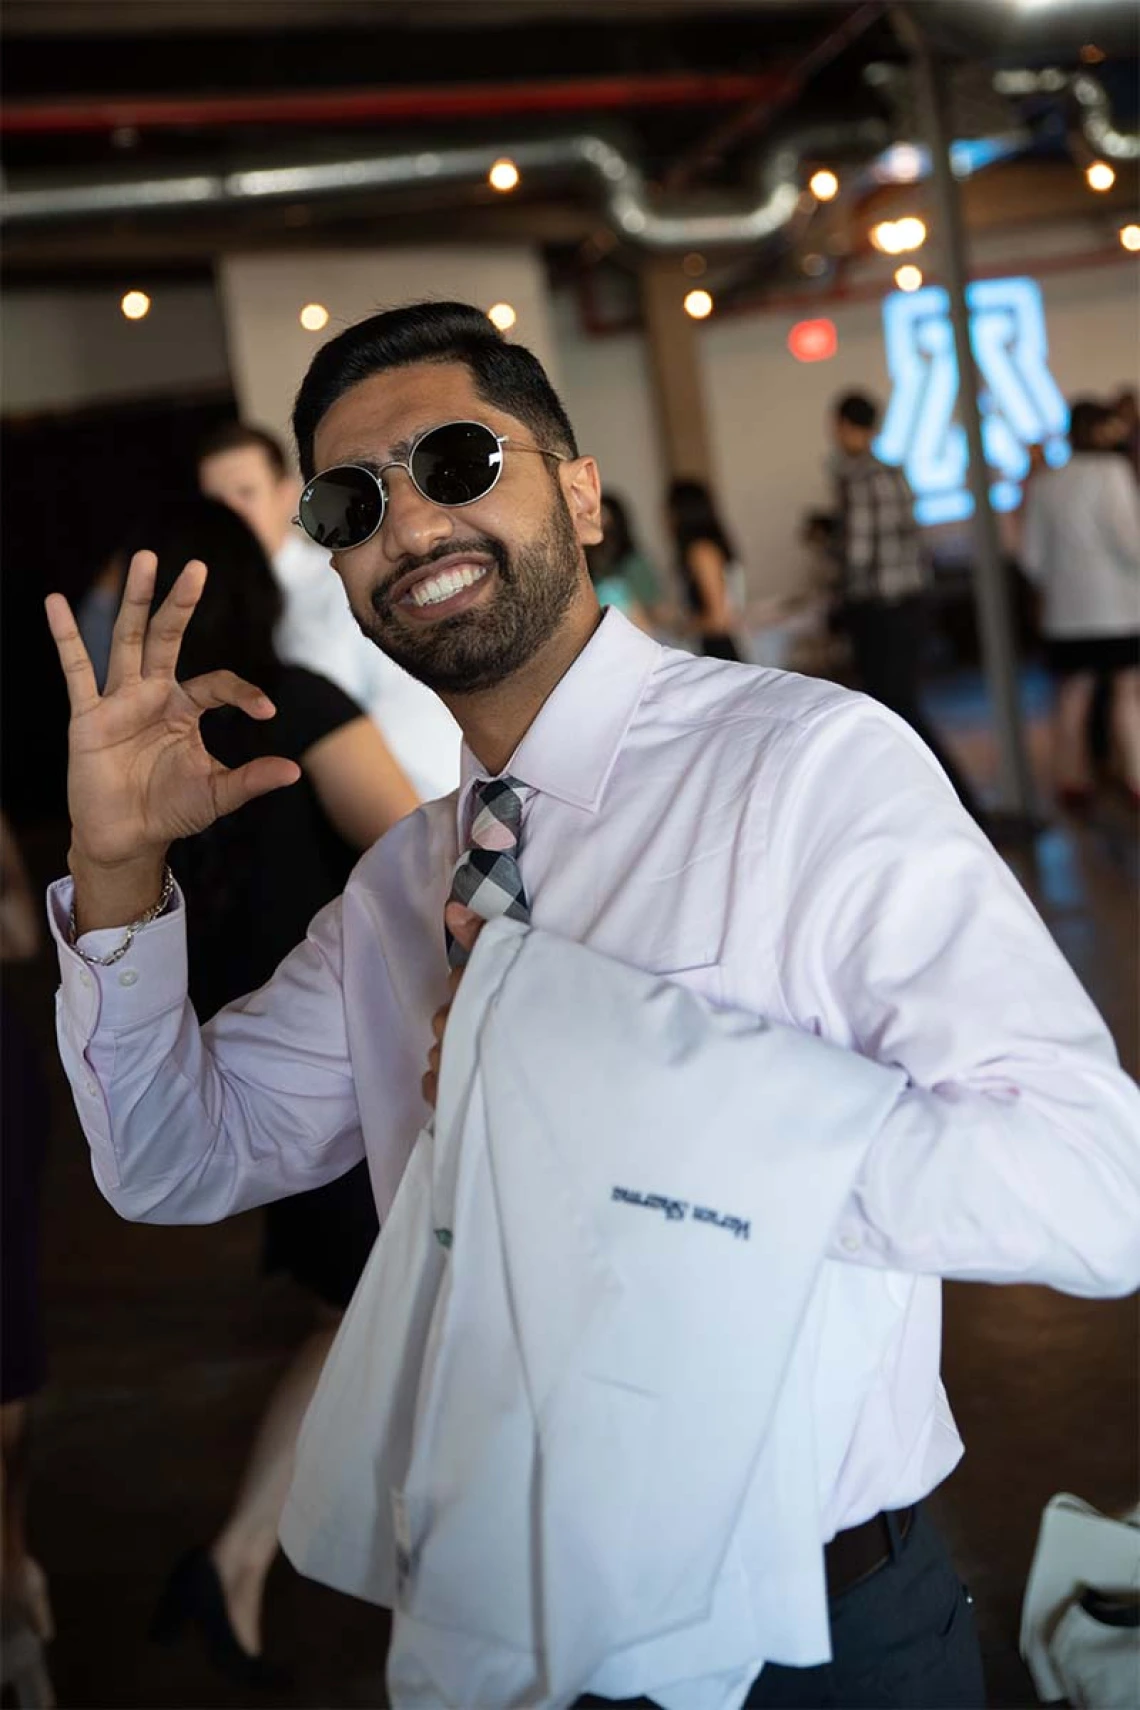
x=860 y=1551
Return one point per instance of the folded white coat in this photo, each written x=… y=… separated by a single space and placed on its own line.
x=566 y=1431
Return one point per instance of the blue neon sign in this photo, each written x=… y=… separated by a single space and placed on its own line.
x=1021 y=402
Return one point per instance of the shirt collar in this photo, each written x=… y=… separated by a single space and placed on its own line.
x=570 y=749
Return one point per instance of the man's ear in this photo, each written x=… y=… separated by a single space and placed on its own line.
x=582 y=490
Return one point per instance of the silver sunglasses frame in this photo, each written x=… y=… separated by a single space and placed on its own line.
x=377 y=475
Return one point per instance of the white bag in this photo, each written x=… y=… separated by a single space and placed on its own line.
x=1068 y=1652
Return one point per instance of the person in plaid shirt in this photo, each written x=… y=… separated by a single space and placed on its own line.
x=884 y=577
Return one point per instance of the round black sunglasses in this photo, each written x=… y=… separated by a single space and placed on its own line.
x=451 y=465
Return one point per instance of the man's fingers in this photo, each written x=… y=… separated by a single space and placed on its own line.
x=168 y=625
x=233 y=789
x=130 y=626
x=463 y=924
x=82 y=691
x=439 y=1021
x=429 y=1087
x=226 y=689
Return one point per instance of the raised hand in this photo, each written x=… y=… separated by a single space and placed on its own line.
x=139 y=775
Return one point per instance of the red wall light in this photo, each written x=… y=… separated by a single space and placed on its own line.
x=813 y=341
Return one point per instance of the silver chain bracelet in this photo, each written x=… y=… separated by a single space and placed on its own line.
x=120 y=950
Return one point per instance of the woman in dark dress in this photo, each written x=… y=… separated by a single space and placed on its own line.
x=252 y=883
x=706 y=563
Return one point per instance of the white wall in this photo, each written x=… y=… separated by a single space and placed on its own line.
x=60 y=349
x=767 y=412
x=263 y=295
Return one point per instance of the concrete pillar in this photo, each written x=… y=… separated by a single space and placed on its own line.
x=674 y=364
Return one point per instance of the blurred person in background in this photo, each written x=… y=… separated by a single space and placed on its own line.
x=96 y=613
x=254 y=881
x=621 y=574
x=246 y=468
x=883 y=576
x=1122 y=427
x=711 y=577
x=24 y=1117
x=1081 y=547
x=620 y=555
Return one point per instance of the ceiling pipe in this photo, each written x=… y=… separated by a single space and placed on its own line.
x=760 y=115
x=624 y=191
x=1092 y=107
x=354 y=106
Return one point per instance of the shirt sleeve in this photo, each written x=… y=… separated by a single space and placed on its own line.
x=317 y=708
x=1014 y=1154
x=857 y=527
x=1033 y=533
x=1122 y=512
x=189 y=1125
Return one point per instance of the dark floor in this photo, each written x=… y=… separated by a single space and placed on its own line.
x=164 y=1343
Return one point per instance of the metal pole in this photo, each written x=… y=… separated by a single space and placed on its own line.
x=991 y=594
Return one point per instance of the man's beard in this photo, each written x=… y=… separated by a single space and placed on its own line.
x=481 y=648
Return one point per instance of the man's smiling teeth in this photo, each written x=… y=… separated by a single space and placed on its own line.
x=433 y=589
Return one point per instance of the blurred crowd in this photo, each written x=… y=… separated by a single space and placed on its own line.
x=371 y=743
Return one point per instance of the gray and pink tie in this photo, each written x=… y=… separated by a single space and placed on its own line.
x=486 y=876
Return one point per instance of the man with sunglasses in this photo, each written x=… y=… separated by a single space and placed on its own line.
x=780 y=846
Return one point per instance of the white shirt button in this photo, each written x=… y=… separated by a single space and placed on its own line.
x=128 y=977
x=91 y=1090
x=850 y=1243
x=85 y=979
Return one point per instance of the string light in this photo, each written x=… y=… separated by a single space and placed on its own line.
x=1130 y=238
x=824 y=185
x=504 y=175
x=314 y=317
x=908 y=278
x=894 y=237
x=699 y=304
x=502 y=315
x=135 y=305
x=1100 y=176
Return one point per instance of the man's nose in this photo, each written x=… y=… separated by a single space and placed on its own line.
x=412 y=524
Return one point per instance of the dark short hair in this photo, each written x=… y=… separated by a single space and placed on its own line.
x=240 y=436
x=1086 y=417
x=506 y=375
x=858 y=409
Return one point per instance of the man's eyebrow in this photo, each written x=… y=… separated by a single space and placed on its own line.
x=397 y=453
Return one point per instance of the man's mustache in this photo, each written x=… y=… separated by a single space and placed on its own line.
x=482 y=546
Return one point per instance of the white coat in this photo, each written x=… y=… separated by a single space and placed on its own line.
x=565 y=1431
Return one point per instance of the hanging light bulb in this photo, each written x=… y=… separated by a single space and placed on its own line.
x=314 y=317
x=135 y=305
x=502 y=315
x=504 y=175
x=699 y=304
x=824 y=185
x=1100 y=176
x=909 y=277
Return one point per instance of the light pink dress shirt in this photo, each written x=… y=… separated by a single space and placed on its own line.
x=776 y=844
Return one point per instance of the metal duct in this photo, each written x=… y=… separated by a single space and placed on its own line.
x=1090 y=98
x=620 y=180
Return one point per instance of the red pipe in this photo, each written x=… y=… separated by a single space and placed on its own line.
x=348 y=106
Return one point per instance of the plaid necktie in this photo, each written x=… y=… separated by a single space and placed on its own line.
x=486 y=876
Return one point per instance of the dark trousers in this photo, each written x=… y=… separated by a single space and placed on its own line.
x=903 y=1639
x=887 y=641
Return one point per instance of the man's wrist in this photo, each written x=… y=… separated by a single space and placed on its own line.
x=115 y=895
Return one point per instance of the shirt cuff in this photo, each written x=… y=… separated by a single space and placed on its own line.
x=149 y=980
